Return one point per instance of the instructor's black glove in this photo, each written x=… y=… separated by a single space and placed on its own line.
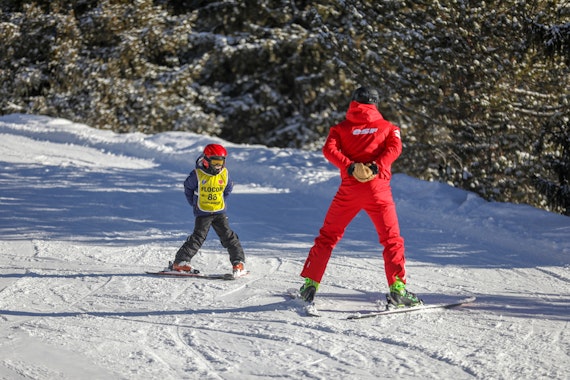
x=374 y=168
x=350 y=169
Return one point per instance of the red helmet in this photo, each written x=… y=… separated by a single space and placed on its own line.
x=214 y=158
x=215 y=150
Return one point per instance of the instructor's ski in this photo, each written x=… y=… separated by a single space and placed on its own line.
x=445 y=305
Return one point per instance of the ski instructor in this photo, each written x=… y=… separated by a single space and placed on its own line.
x=363 y=147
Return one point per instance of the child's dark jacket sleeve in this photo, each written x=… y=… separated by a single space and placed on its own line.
x=190 y=187
x=229 y=186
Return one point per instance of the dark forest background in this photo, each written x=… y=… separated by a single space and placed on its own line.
x=481 y=89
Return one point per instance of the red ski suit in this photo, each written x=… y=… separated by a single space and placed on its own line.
x=364 y=136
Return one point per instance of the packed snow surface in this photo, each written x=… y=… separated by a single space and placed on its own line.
x=85 y=212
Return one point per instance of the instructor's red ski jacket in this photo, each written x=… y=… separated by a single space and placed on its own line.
x=366 y=137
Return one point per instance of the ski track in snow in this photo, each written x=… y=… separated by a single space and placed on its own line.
x=84 y=212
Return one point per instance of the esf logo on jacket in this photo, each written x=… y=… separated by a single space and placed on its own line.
x=364 y=131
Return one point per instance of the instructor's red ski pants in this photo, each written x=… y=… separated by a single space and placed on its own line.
x=374 y=197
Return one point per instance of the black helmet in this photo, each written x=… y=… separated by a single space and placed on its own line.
x=366 y=95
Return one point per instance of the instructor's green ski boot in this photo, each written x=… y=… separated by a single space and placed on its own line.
x=400 y=297
x=308 y=290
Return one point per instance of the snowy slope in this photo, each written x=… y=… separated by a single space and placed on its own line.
x=84 y=212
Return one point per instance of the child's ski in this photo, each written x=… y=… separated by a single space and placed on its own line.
x=214 y=276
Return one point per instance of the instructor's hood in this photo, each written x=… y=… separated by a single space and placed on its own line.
x=361 y=113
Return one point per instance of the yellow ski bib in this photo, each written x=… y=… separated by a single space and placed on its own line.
x=211 y=190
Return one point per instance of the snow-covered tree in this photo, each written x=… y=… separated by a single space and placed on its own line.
x=553 y=145
x=465 y=80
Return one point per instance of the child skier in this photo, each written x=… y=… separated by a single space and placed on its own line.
x=206 y=189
